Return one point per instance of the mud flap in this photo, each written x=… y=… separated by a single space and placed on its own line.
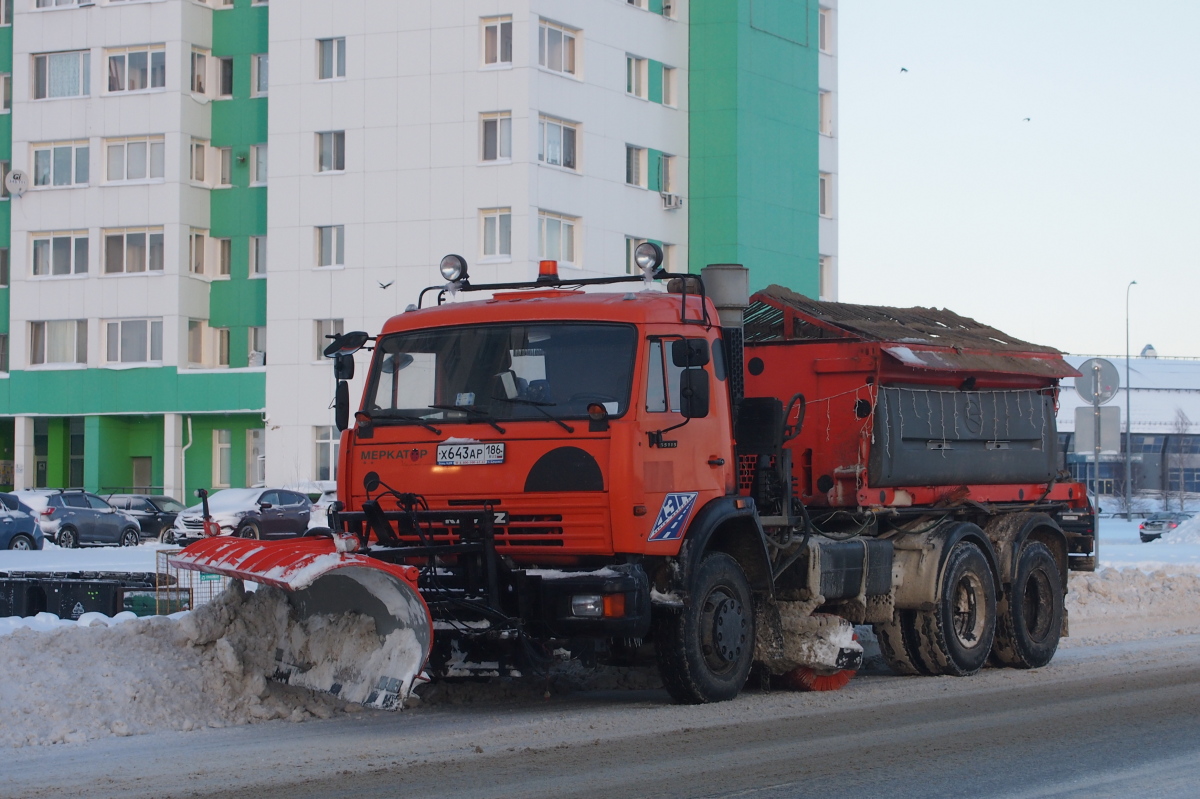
x=357 y=628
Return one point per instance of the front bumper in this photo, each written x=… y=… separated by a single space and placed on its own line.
x=552 y=592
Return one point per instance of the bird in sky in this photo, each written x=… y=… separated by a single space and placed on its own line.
x=385 y=285
x=1026 y=119
x=904 y=69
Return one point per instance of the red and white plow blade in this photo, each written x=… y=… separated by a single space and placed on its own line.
x=326 y=643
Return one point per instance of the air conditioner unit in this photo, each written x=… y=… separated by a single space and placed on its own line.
x=671 y=201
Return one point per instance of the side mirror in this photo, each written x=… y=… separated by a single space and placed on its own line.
x=265 y=505
x=341 y=405
x=689 y=352
x=343 y=366
x=693 y=393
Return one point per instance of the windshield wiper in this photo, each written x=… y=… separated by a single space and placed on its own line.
x=541 y=407
x=487 y=417
x=387 y=416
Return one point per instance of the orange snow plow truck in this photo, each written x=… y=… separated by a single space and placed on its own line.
x=720 y=482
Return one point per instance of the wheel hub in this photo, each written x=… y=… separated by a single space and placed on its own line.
x=725 y=629
x=969 y=618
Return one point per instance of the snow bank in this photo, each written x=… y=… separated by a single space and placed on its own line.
x=1125 y=593
x=1188 y=532
x=70 y=683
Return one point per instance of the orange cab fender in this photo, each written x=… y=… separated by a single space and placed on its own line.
x=730 y=525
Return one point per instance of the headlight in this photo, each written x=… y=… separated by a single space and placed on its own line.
x=453 y=268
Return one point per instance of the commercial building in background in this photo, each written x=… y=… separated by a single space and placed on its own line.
x=1165 y=431
x=206 y=178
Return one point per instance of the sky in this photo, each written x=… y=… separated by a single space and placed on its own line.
x=948 y=198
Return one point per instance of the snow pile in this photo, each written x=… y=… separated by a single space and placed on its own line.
x=1113 y=593
x=205 y=668
x=48 y=621
x=1188 y=532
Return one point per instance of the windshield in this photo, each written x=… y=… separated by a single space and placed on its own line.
x=168 y=505
x=502 y=371
x=229 y=499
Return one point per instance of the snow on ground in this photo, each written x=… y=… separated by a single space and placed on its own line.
x=71 y=681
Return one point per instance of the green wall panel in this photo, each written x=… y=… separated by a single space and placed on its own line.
x=198 y=467
x=154 y=390
x=753 y=166
x=654 y=88
x=111 y=444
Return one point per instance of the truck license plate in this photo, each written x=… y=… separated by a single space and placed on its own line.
x=469 y=454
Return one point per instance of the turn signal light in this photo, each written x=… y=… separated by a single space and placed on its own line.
x=614 y=605
x=547 y=272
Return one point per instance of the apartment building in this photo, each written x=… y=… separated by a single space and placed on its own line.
x=202 y=179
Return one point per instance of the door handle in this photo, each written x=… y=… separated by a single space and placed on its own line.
x=716 y=461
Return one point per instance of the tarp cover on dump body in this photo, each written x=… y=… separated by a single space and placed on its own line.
x=920 y=338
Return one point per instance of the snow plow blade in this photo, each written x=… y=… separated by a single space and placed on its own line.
x=327 y=643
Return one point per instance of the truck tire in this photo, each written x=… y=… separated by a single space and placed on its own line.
x=1029 y=617
x=705 y=653
x=899 y=643
x=956 y=637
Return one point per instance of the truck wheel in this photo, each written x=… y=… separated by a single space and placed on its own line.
x=900 y=645
x=956 y=637
x=705 y=652
x=1029 y=620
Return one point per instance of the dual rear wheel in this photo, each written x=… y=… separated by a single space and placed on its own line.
x=970 y=624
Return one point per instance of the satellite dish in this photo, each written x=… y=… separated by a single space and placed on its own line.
x=17 y=182
x=1098 y=382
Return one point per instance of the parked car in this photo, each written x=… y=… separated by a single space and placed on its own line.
x=19 y=528
x=1158 y=523
x=248 y=513
x=155 y=513
x=76 y=518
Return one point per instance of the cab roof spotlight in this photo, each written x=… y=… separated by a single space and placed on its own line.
x=649 y=257
x=454 y=268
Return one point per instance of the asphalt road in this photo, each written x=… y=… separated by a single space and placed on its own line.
x=1103 y=720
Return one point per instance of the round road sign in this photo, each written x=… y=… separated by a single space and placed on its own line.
x=1099 y=378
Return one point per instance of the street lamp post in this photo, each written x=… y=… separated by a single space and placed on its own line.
x=1128 y=420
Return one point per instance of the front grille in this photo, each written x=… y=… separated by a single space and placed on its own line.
x=193 y=524
x=542 y=530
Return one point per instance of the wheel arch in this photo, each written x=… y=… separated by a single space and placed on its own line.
x=1009 y=532
x=729 y=525
x=921 y=560
x=951 y=535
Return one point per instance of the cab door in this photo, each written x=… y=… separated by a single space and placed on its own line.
x=685 y=467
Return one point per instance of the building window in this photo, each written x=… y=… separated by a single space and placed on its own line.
x=225 y=156
x=331 y=59
x=556 y=142
x=256 y=457
x=58 y=342
x=257 y=339
x=4 y=277
x=556 y=48
x=826 y=199
x=133 y=251
x=631 y=244
x=635 y=165
x=137 y=70
x=668 y=87
x=259 y=155
x=331 y=245
x=328 y=442
x=135 y=159
x=4 y=353
x=825 y=30
x=6 y=12
x=556 y=237
x=497 y=41
x=825 y=109
x=61 y=75
x=666 y=174
x=198 y=148
x=327 y=330
x=133 y=340
x=258 y=255
x=635 y=76
x=261 y=74
x=196 y=251
x=225 y=85
x=497 y=137
x=6 y=91
x=224 y=257
x=61 y=164
x=331 y=151
x=497 y=233
x=195 y=341
x=5 y=168
x=199 y=71
x=222 y=334
x=826 y=286
x=60 y=253
x=222 y=458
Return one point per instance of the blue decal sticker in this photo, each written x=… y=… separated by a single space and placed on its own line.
x=673 y=516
